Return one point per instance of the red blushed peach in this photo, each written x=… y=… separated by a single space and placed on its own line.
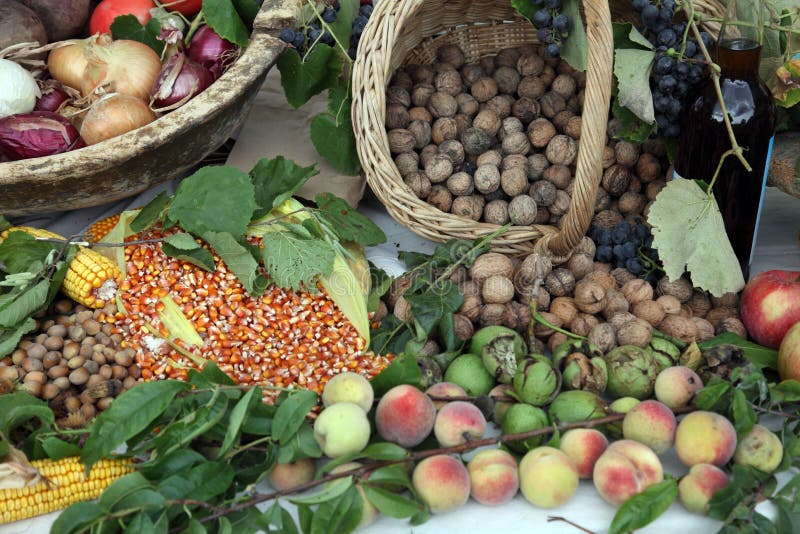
x=284 y=477
x=445 y=389
x=405 y=416
x=676 y=386
x=584 y=446
x=458 y=422
x=547 y=477
x=697 y=487
x=652 y=423
x=493 y=477
x=625 y=469
x=442 y=482
x=705 y=438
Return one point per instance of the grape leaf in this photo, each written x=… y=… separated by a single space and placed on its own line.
x=627 y=36
x=303 y=79
x=430 y=303
x=182 y=241
x=632 y=128
x=198 y=256
x=129 y=27
x=574 y=48
x=150 y=212
x=277 y=179
x=295 y=263
x=342 y=27
x=524 y=8
x=348 y=224
x=334 y=139
x=247 y=9
x=689 y=234
x=643 y=508
x=632 y=69
x=222 y=17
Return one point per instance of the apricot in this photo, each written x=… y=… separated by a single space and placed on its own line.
x=445 y=389
x=625 y=469
x=547 y=477
x=493 y=476
x=759 y=448
x=676 y=386
x=458 y=422
x=697 y=487
x=442 y=482
x=405 y=416
x=584 y=446
x=652 y=423
x=284 y=477
x=705 y=438
x=348 y=387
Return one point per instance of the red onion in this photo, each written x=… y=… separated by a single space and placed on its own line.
x=51 y=100
x=212 y=51
x=36 y=134
x=180 y=79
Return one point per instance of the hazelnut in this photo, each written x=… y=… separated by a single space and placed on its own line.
x=497 y=289
x=561 y=150
x=449 y=82
x=543 y=192
x=680 y=288
x=484 y=89
x=496 y=212
x=649 y=311
x=530 y=65
x=551 y=103
x=603 y=337
x=670 y=304
x=616 y=180
x=560 y=282
x=401 y=140
x=583 y=323
x=421 y=94
x=491 y=314
x=531 y=87
x=525 y=109
x=489 y=264
x=419 y=184
x=396 y=116
x=470 y=207
x=635 y=332
x=507 y=79
x=471 y=307
x=626 y=153
x=419 y=114
x=565 y=309
x=442 y=105
x=490 y=157
x=680 y=327
x=460 y=184
x=452 y=54
x=452 y=149
x=476 y=141
x=440 y=198
x=514 y=181
x=580 y=264
x=559 y=175
x=522 y=210
x=444 y=129
x=573 y=127
x=488 y=121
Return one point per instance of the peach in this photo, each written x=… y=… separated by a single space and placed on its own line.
x=348 y=387
x=625 y=469
x=458 y=422
x=705 y=438
x=759 y=448
x=405 y=416
x=493 y=477
x=621 y=405
x=445 y=389
x=369 y=513
x=697 y=487
x=284 y=477
x=442 y=482
x=501 y=407
x=342 y=428
x=547 y=477
x=584 y=446
x=652 y=423
x=676 y=386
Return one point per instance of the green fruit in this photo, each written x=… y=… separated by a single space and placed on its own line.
x=622 y=405
x=663 y=352
x=575 y=406
x=535 y=382
x=632 y=372
x=488 y=333
x=501 y=358
x=578 y=371
x=523 y=418
x=575 y=345
x=469 y=372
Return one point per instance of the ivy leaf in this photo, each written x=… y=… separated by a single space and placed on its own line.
x=759 y=355
x=150 y=212
x=129 y=27
x=632 y=69
x=295 y=263
x=222 y=17
x=402 y=370
x=430 y=304
x=643 y=508
x=689 y=234
x=744 y=416
x=276 y=180
x=390 y=337
x=574 y=48
x=348 y=224
x=237 y=258
x=303 y=79
x=333 y=137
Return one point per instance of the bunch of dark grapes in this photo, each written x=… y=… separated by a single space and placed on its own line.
x=677 y=69
x=359 y=23
x=552 y=24
x=627 y=245
x=312 y=33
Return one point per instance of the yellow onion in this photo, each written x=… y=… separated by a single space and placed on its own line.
x=67 y=63
x=114 y=115
x=122 y=66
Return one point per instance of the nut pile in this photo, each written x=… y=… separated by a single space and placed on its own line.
x=497 y=140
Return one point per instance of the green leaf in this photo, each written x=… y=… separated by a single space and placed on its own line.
x=689 y=234
x=136 y=409
x=209 y=375
x=575 y=47
x=18 y=415
x=333 y=137
x=744 y=416
x=379 y=285
x=58 y=448
x=627 y=36
x=182 y=241
x=301 y=445
x=195 y=527
x=384 y=451
x=294 y=263
x=402 y=370
x=77 y=518
x=203 y=482
x=237 y=417
x=223 y=18
x=644 y=508
x=150 y=212
x=430 y=303
x=276 y=180
x=632 y=128
x=329 y=491
x=632 y=69
x=413 y=259
x=170 y=464
x=237 y=258
x=199 y=257
x=783 y=391
x=4 y=224
x=348 y=224
x=129 y=27
x=141 y=522
x=19 y=250
x=10 y=338
x=342 y=27
x=710 y=395
x=304 y=516
x=759 y=355
x=292 y=413
x=24 y=305
x=340 y=515
x=302 y=80
x=122 y=488
x=247 y=9
x=524 y=8
x=390 y=503
x=393 y=476
x=216 y=199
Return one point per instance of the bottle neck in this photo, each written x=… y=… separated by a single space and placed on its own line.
x=738 y=58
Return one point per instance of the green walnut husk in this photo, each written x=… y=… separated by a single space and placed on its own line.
x=663 y=352
x=581 y=365
x=575 y=406
x=524 y=418
x=469 y=372
x=502 y=358
x=572 y=346
x=431 y=372
x=536 y=382
x=621 y=405
x=488 y=333
x=691 y=356
x=632 y=372
x=723 y=361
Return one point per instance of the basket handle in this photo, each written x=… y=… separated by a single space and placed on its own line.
x=597 y=98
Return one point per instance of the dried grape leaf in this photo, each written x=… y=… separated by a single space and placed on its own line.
x=689 y=234
x=632 y=69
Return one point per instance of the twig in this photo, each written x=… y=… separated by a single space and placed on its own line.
x=551 y=518
x=540 y=319
x=769 y=411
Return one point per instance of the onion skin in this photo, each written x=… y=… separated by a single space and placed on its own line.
x=122 y=66
x=181 y=79
x=67 y=64
x=37 y=134
x=51 y=100
x=212 y=51
x=115 y=115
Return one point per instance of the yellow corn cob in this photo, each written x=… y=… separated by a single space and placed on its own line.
x=99 y=229
x=92 y=279
x=67 y=485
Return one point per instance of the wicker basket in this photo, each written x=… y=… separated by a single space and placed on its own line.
x=410 y=31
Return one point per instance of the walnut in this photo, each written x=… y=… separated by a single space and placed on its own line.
x=471 y=73
x=648 y=168
x=476 y=141
x=402 y=309
x=501 y=104
x=613 y=127
x=396 y=116
x=534 y=267
x=541 y=330
x=560 y=282
x=564 y=85
x=555 y=340
x=407 y=162
x=558 y=175
x=463 y=123
x=514 y=181
x=699 y=303
x=419 y=184
x=448 y=82
x=497 y=289
x=419 y=114
x=460 y=184
x=616 y=180
x=484 y=89
x=548 y=74
x=540 y=132
x=680 y=288
x=615 y=302
x=717 y=314
x=469 y=287
x=470 y=207
x=705 y=330
x=560 y=205
x=490 y=157
x=608 y=159
x=491 y=263
x=530 y=65
x=607 y=218
x=543 y=192
x=402 y=79
x=654 y=188
x=573 y=127
x=637 y=290
x=583 y=323
x=635 y=185
x=585 y=246
x=487 y=178
x=525 y=109
x=421 y=94
x=604 y=268
x=670 y=304
x=565 y=309
x=636 y=332
x=537 y=163
x=450 y=53
x=444 y=129
x=496 y=212
x=515 y=161
x=459 y=275
x=421 y=132
x=731 y=324
x=491 y=314
x=650 y=311
x=516 y=143
x=517 y=316
x=551 y=104
x=620 y=318
x=603 y=278
x=603 y=337
x=631 y=203
x=580 y=264
x=442 y=105
x=561 y=119
x=488 y=121
x=508 y=57
x=531 y=87
x=471 y=307
x=682 y=328
x=522 y=210
x=439 y=168
x=626 y=153
x=655 y=147
x=426 y=154
x=421 y=73
x=401 y=140
x=440 y=197
x=509 y=125
x=507 y=79
x=561 y=150
x=398 y=95
x=603 y=200
x=730 y=300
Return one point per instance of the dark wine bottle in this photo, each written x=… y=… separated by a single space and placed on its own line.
x=704 y=139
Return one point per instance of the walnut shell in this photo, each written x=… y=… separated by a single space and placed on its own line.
x=540 y=132
x=564 y=85
x=603 y=278
x=469 y=287
x=670 y=304
x=589 y=296
x=730 y=300
x=427 y=154
x=543 y=192
x=649 y=311
x=620 y=318
x=463 y=123
x=682 y=328
x=497 y=289
x=637 y=290
x=537 y=163
x=398 y=95
x=560 y=205
x=460 y=184
x=500 y=104
x=534 y=266
x=448 y=82
x=421 y=132
x=419 y=184
x=407 y=162
x=603 y=336
x=561 y=150
x=562 y=118
x=717 y=314
x=638 y=333
x=490 y=157
x=516 y=143
x=442 y=105
x=517 y=316
x=491 y=314
x=440 y=197
x=488 y=121
x=507 y=79
x=540 y=330
x=559 y=175
x=565 y=309
x=401 y=140
x=419 y=114
x=402 y=79
x=654 y=188
x=452 y=54
x=731 y=324
x=560 y=282
x=443 y=129
x=522 y=210
x=402 y=309
x=631 y=203
x=421 y=94
x=573 y=127
x=487 y=178
x=583 y=323
x=515 y=161
x=454 y=150
x=496 y=212
x=396 y=116
x=484 y=89
x=467 y=104
x=470 y=207
x=548 y=74
x=531 y=87
x=421 y=73
x=471 y=308
x=699 y=303
x=626 y=153
x=555 y=340
x=491 y=263
x=648 y=168
x=616 y=180
x=476 y=141
x=525 y=109
x=514 y=181
x=530 y=65
x=705 y=330
x=509 y=125
x=615 y=302
x=508 y=57
x=488 y=64
x=551 y=104
x=608 y=159
x=580 y=264
x=439 y=168
x=680 y=288
x=471 y=73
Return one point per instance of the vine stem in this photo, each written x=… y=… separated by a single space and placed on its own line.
x=768 y=411
x=539 y=318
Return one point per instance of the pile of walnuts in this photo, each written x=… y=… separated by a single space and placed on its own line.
x=497 y=140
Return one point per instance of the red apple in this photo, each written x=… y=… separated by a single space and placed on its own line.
x=771 y=306
x=789 y=354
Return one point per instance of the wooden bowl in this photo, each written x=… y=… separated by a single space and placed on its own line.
x=163 y=150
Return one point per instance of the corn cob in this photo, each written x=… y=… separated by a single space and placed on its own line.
x=92 y=279
x=64 y=484
x=99 y=229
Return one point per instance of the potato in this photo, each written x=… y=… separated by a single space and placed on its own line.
x=19 y=24
x=62 y=19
